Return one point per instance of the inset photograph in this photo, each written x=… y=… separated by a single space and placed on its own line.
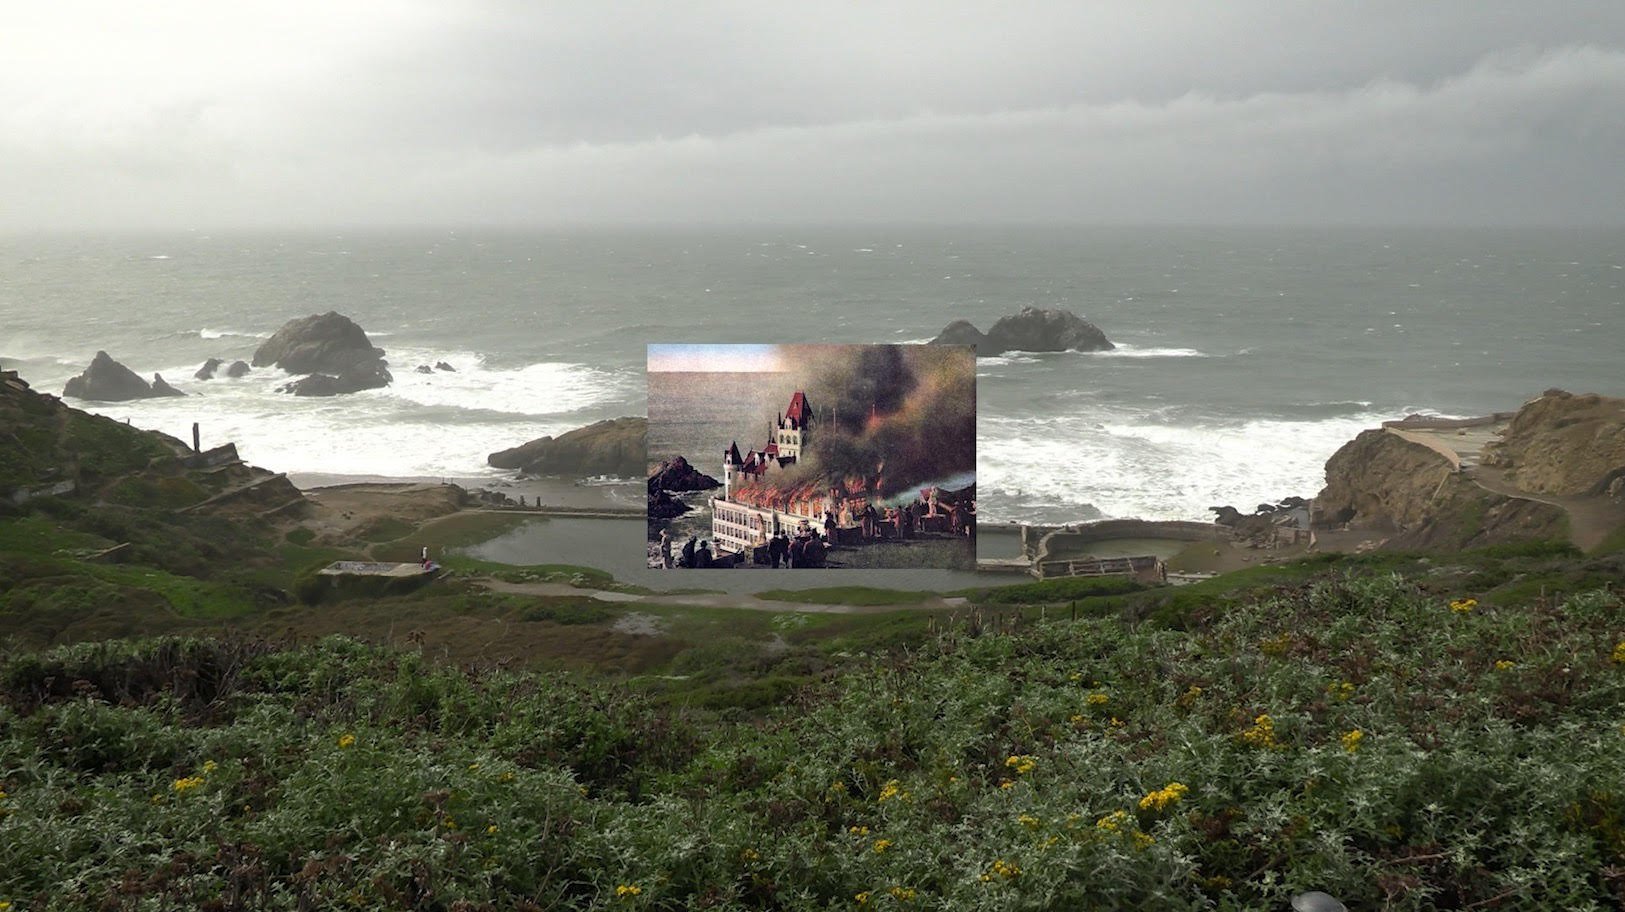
x=795 y=456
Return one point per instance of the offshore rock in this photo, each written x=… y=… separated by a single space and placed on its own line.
x=206 y=372
x=328 y=345
x=613 y=447
x=161 y=387
x=106 y=380
x=1032 y=330
x=237 y=369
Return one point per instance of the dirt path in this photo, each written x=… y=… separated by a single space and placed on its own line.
x=709 y=600
x=1591 y=519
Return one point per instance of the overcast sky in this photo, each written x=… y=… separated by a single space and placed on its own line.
x=204 y=114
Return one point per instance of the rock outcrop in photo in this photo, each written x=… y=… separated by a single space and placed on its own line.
x=676 y=474
x=612 y=447
x=332 y=349
x=1032 y=330
x=106 y=380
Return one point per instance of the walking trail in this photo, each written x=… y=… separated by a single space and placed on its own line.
x=1591 y=519
x=709 y=600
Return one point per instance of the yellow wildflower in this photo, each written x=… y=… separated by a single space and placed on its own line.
x=491 y=830
x=1029 y=821
x=1190 y=696
x=1619 y=653
x=858 y=830
x=1008 y=783
x=905 y=894
x=1163 y=797
x=506 y=776
x=1351 y=740
x=5 y=904
x=1262 y=734
x=1143 y=840
x=862 y=898
x=1505 y=664
x=1008 y=870
x=1022 y=763
x=1340 y=692
x=209 y=766
x=346 y=740
x=1075 y=676
x=182 y=786
x=1098 y=699
x=625 y=890
x=1112 y=822
x=1463 y=606
x=838 y=787
x=750 y=855
x=1075 y=718
x=892 y=790
x=1117 y=723
x=449 y=823
x=881 y=845
x=1274 y=646
x=473 y=767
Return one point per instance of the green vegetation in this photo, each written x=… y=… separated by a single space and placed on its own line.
x=1362 y=734
x=846 y=595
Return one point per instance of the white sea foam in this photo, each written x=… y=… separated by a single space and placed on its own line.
x=1127 y=466
x=1125 y=350
x=230 y=333
x=534 y=389
x=442 y=424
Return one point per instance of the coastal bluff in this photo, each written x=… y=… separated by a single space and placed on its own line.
x=331 y=349
x=1566 y=444
x=1554 y=469
x=616 y=446
x=1032 y=330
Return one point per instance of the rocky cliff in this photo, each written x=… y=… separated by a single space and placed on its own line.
x=1379 y=481
x=613 y=447
x=1564 y=444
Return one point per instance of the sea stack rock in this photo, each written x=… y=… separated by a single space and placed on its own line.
x=1032 y=330
x=332 y=349
x=160 y=387
x=106 y=380
x=614 y=447
x=238 y=369
x=206 y=372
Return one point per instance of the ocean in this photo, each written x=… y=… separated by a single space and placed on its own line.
x=1246 y=356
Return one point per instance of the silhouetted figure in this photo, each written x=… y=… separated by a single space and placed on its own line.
x=778 y=549
x=813 y=552
x=702 y=557
x=665 y=549
x=688 y=552
x=829 y=525
x=798 y=552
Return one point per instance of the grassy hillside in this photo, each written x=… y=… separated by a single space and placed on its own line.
x=1361 y=734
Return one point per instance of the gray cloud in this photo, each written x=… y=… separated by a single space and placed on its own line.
x=1138 y=112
